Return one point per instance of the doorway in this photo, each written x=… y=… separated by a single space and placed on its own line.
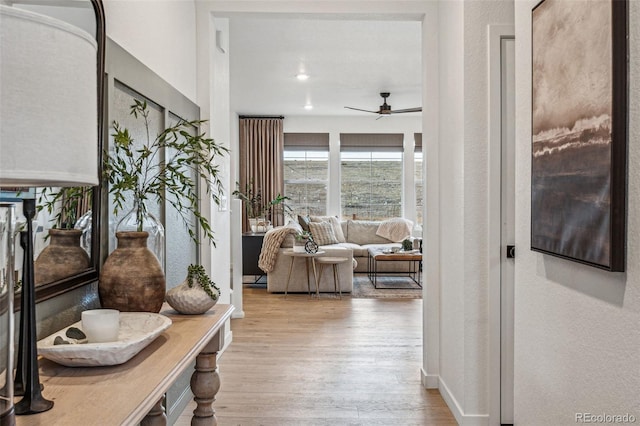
x=502 y=221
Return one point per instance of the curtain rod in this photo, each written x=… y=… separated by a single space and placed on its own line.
x=262 y=116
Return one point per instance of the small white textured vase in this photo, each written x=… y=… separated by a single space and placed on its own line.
x=190 y=300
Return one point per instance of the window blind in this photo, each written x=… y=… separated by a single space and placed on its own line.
x=306 y=141
x=371 y=142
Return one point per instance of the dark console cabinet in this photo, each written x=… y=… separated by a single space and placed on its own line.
x=251 y=246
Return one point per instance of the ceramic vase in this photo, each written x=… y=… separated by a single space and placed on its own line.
x=132 y=279
x=84 y=224
x=62 y=258
x=190 y=300
x=138 y=219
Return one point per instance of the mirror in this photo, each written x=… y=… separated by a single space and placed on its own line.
x=57 y=206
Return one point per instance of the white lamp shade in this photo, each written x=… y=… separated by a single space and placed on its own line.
x=48 y=102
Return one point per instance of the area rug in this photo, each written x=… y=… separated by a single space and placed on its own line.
x=390 y=287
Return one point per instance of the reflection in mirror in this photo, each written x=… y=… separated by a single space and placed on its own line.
x=62 y=248
x=76 y=252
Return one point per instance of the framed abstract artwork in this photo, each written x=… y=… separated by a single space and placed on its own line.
x=579 y=131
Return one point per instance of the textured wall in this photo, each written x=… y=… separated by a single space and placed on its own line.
x=452 y=364
x=161 y=34
x=576 y=328
x=464 y=335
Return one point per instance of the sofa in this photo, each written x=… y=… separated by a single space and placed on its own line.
x=353 y=239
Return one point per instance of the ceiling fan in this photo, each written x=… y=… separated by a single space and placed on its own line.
x=385 y=109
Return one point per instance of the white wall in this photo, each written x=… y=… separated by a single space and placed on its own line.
x=452 y=364
x=161 y=34
x=577 y=333
x=464 y=208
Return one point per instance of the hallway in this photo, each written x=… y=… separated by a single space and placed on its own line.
x=298 y=361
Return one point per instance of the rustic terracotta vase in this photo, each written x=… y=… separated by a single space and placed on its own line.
x=132 y=279
x=62 y=258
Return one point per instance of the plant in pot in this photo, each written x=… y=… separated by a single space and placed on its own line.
x=301 y=240
x=258 y=211
x=63 y=257
x=196 y=294
x=163 y=169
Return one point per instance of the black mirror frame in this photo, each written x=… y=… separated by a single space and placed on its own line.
x=56 y=288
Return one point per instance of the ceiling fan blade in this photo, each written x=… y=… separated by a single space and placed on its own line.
x=400 y=111
x=364 y=110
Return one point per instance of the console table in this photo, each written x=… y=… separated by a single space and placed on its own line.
x=251 y=247
x=132 y=392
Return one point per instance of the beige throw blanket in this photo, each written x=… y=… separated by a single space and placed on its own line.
x=270 y=245
x=396 y=229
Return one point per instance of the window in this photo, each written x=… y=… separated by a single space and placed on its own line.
x=418 y=178
x=371 y=169
x=306 y=171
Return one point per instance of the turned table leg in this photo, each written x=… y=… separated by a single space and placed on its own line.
x=205 y=383
x=156 y=416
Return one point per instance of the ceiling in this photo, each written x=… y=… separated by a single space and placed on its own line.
x=348 y=62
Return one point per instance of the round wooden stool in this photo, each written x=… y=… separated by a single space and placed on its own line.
x=334 y=262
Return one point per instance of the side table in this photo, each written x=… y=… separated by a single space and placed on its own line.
x=334 y=262
x=306 y=256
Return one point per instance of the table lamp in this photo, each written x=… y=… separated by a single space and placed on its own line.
x=48 y=137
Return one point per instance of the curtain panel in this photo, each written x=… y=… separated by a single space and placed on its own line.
x=261 y=162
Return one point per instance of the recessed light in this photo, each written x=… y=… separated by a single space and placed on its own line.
x=308 y=107
x=302 y=76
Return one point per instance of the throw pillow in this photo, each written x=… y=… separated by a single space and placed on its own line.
x=304 y=222
x=335 y=224
x=322 y=233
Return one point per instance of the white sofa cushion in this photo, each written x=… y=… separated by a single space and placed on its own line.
x=364 y=232
x=322 y=233
x=335 y=224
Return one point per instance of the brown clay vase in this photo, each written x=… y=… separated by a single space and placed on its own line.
x=62 y=258
x=132 y=279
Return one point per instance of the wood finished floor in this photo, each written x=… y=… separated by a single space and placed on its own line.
x=307 y=362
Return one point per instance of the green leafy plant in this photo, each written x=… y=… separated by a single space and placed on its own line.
x=303 y=236
x=197 y=274
x=143 y=172
x=254 y=204
x=407 y=245
x=64 y=202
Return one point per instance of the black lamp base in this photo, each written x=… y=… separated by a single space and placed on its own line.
x=33 y=406
x=27 y=375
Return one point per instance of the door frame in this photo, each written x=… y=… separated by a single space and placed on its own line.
x=496 y=34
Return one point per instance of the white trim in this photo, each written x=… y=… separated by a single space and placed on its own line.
x=451 y=401
x=431 y=192
x=495 y=35
x=456 y=410
x=429 y=381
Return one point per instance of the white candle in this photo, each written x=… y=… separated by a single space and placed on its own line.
x=101 y=325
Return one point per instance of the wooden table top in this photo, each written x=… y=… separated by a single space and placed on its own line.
x=378 y=254
x=302 y=253
x=124 y=394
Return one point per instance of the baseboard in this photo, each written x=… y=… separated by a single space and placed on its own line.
x=237 y=314
x=456 y=410
x=429 y=381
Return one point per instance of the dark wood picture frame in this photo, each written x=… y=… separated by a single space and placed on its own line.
x=579 y=131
